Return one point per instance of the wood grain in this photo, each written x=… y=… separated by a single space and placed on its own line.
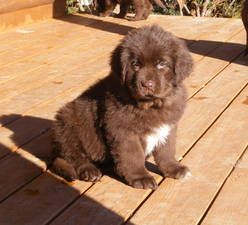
x=231 y=205
x=40 y=200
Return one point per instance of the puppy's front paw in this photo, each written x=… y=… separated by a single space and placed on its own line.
x=89 y=173
x=177 y=171
x=145 y=182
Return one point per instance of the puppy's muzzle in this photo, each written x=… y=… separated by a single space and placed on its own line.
x=147 y=86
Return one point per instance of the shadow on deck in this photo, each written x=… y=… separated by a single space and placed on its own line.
x=124 y=29
x=84 y=208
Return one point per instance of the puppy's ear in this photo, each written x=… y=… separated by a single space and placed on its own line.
x=184 y=62
x=118 y=67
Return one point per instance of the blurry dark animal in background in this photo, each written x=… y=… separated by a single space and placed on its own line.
x=244 y=16
x=142 y=8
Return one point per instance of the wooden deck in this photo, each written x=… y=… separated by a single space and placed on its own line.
x=44 y=65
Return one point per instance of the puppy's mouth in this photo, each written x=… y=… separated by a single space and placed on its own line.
x=143 y=96
x=145 y=93
x=149 y=97
x=141 y=93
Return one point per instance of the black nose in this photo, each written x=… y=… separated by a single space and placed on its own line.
x=148 y=84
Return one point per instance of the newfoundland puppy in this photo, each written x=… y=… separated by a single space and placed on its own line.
x=130 y=114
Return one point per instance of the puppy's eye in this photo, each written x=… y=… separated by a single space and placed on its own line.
x=162 y=65
x=135 y=64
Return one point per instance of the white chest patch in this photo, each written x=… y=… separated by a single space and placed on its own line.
x=158 y=136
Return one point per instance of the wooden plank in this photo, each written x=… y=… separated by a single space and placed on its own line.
x=28 y=35
x=10 y=56
x=25 y=16
x=48 y=43
x=16 y=171
x=38 y=201
x=15 y=5
x=208 y=41
x=54 y=56
x=231 y=205
x=201 y=29
x=212 y=102
x=26 y=164
x=188 y=26
x=51 y=40
x=32 y=13
x=13 y=39
x=49 y=69
x=115 y=199
x=210 y=161
x=214 y=62
x=3 y=150
x=128 y=199
x=78 y=80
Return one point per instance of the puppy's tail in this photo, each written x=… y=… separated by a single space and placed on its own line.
x=64 y=169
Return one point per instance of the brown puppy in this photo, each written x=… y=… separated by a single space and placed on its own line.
x=244 y=16
x=130 y=114
x=143 y=8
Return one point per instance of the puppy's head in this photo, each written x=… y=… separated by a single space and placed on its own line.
x=151 y=62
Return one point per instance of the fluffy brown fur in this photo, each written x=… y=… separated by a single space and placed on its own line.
x=244 y=16
x=114 y=118
x=142 y=8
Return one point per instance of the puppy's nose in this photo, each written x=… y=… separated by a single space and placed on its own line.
x=148 y=84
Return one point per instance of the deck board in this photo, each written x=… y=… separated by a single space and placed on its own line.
x=231 y=205
x=52 y=195
x=40 y=75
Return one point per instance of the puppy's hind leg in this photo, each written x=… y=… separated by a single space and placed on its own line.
x=84 y=168
x=75 y=170
x=64 y=169
x=123 y=9
x=71 y=162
